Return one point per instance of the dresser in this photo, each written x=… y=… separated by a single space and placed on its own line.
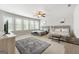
x=7 y=43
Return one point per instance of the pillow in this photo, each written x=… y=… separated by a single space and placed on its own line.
x=65 y=34
x=65 y=30
x=55 y=31
x=58 y=30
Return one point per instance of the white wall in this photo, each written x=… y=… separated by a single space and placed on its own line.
x=55 y=14
x=1 y=23
x=76 y=21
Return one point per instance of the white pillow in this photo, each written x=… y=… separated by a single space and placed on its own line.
x=65 y=30
x=58 y=30
x=66 y=34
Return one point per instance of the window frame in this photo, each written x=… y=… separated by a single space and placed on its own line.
x=16 y=24
x=27 y=25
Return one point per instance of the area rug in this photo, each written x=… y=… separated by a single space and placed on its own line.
x=31 y=46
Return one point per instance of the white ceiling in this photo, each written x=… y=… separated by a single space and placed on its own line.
x=29 y=9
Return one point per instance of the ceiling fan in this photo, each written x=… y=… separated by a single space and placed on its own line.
x=40 y=14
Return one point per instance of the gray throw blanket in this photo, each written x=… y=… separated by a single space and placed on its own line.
x=31 y=46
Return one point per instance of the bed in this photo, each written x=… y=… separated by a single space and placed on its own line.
x=43 y=31
x=39 y=32
x=60 y=31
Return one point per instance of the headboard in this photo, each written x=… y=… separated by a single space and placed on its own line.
x=62 y=27
x=60 y=30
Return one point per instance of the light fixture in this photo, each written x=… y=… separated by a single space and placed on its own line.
x=40 y=13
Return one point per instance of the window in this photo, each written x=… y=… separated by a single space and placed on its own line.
x=18 y=24
x=26 y=25
x=31 y=24
x=10 y=22
x=37 y=24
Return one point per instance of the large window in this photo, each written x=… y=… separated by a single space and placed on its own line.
x=10 y=22
x=26 y=25
x=37 y=24
x=18 y=23
x=32 y=25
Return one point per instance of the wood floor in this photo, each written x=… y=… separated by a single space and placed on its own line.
x=56 y=47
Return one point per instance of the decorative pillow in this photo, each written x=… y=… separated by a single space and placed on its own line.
x=58 y=30
x=65 y=30
x=65 y=34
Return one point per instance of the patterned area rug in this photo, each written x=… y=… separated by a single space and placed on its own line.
x=31 y=46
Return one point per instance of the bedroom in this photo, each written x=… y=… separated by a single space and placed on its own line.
x=49 y=28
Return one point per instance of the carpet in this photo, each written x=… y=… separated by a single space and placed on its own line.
x=31 y=46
